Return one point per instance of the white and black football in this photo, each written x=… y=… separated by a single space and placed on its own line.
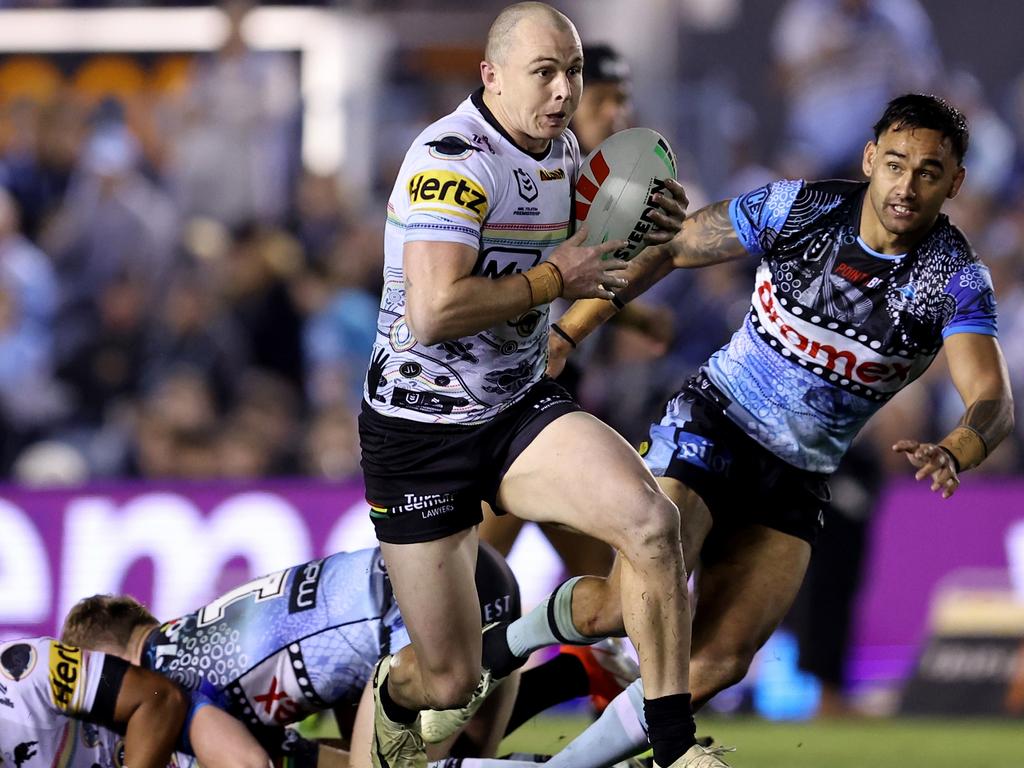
x=615 y=185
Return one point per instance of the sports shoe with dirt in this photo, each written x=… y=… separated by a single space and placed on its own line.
x=437 y=725
x=395 y=745
x=609 y=668
x=702 y=757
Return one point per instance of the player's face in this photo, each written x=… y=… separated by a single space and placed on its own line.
x=912 y=172
x=605 y=108
x=540 y=82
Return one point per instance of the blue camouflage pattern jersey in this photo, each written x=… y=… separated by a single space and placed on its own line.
x=302 y=640
x=286 y=644
x=835 y=328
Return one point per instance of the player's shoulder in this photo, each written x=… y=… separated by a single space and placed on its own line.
x=841 y=188
x=461 y=137
x=952 y=242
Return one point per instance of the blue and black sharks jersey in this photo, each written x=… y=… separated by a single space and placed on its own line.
x=835 y=328
x=304 y=639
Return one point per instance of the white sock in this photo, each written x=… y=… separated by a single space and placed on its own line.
x=535 y=630
x=620 y=732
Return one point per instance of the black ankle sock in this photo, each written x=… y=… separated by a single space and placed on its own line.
x=670 y=727
x=393 y=709
x=497 y=656
x=561 y=679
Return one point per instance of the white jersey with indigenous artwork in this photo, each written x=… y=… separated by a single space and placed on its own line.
x=465 y=181
x=45 y=688
x=835 y=328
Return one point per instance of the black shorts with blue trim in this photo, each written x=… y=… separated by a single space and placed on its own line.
x=426 y=481
x=740 y=481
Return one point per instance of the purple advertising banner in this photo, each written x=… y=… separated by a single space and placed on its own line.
x=176 y=546
x=920 y=542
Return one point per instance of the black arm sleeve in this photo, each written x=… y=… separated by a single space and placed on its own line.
x=105 y=703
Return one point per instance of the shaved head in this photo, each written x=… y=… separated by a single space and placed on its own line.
x=502 y=31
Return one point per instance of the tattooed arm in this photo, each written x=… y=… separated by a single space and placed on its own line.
x=706 y=238
x=979 y=373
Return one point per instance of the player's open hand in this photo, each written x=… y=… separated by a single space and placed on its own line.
x=670 y=218
x=931 y=460
x=589 y=271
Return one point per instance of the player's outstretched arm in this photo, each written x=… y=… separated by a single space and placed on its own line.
x=979 y=373
x=707 y=237
x=153 y=710
x=445 y=301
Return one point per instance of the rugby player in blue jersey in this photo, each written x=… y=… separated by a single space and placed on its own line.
x=291 y=643
x=860 y=285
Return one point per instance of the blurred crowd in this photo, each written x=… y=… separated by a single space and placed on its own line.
x=180 y=299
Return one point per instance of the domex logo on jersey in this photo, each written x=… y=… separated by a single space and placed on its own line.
x=430 y=187
x=65 y=673
x=829 y=354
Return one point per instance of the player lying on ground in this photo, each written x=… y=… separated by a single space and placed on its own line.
x=303 y=640
x=64 y=706
x=859 y=286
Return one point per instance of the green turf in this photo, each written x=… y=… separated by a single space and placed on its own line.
x=858 y=743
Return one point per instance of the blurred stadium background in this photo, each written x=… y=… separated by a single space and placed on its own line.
x=191 y=211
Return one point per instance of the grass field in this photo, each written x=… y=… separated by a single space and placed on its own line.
x=832 y=744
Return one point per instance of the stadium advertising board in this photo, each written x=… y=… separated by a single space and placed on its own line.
x=177 y=546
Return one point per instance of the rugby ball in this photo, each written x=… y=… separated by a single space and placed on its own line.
x=615 y=185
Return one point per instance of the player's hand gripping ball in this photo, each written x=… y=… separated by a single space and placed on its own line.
x=616 y=185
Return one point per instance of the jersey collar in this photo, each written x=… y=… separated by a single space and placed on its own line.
x=478 y=101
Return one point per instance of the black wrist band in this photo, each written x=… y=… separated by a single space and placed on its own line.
x=568 y=339
x=952 y=458
x=618 y=303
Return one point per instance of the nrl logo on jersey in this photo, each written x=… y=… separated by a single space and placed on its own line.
x=527 y=189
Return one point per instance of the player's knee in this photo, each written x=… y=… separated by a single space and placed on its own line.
x=654 y=533
x=720 y=668
x=452 y=688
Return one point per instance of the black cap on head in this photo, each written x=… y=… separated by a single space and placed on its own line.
x=603 y=64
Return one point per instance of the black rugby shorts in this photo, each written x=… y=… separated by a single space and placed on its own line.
x=740 y=481
x=425 y=481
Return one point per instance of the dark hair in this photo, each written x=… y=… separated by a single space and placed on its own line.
x=917 y=110
x=103 y=620
x=603 y=64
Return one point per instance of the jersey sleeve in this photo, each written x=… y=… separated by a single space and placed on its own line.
x=759 y=215
x=79 y=683
x=971 y=289
x=448 y=190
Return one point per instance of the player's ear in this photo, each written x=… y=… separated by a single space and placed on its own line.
x=958 y=179
x=491 y=77
x=868 y=161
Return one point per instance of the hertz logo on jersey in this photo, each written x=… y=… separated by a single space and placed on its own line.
x=65 y=672
x=447 y=187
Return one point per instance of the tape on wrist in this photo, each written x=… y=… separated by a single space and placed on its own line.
x=565 y=336
x=545 y=281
